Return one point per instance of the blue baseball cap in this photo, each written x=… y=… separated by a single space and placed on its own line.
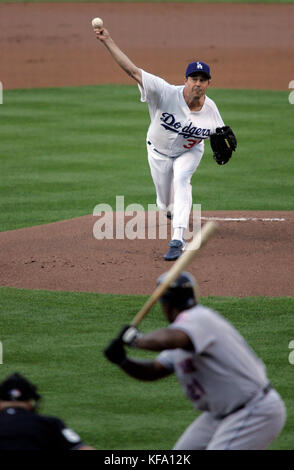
x=199 y=67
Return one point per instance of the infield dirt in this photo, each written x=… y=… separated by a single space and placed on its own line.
x=53 y=44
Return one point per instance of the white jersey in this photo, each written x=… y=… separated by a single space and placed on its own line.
x=222 y=372
x=174 y=129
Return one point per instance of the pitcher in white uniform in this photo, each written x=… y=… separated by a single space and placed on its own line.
x=182 y=118
x=217 y=370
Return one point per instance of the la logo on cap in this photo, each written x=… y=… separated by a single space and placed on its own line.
x=198 y=67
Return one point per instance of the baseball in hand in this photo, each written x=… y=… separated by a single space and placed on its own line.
x=97 y=23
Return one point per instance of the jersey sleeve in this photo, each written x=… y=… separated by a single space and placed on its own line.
x=166 y=359
x=152 y=89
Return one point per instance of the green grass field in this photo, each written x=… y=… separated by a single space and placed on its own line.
x=56 y=339
x=62 y=152
x=65 y=150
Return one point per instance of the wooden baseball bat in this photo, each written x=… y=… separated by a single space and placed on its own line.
x=185 y=259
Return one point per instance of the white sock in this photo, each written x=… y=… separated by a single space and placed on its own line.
x=178 y=234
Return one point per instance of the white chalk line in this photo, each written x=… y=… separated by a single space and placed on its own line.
x=245 y=219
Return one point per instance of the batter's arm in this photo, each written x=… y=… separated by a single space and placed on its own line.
x=158 y=340
x=144 y=370
x=164 y=338
x=120 y=57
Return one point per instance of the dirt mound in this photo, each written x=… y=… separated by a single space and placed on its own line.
x=251 y=254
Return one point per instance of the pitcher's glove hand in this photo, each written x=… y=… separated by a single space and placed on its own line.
x=223 y=144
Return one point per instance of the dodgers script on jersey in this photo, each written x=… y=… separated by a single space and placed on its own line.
x=222 y=372
x=174 y=129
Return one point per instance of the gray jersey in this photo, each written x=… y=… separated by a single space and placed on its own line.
x=222 y=372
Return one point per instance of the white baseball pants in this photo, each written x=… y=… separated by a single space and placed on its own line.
x=171 y=177
x=252 y=428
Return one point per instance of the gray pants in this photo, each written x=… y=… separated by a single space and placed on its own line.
x=251 y=428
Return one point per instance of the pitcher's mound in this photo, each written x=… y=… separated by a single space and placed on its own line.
x=251 y=254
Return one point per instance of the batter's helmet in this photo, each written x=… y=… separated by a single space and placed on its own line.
x=182 y=293
x=18 y=388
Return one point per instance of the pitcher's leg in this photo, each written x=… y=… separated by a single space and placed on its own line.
x=184 y=167
x=162 y=174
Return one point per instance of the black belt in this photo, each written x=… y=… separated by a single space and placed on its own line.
x=265 y=391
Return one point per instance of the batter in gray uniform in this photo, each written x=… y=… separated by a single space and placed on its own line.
x=218 y=371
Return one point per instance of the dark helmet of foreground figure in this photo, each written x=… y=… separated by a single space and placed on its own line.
x=17 y=388
x=182 y=293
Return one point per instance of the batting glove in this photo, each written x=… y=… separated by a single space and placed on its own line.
x=115 y=351
x=129 y=335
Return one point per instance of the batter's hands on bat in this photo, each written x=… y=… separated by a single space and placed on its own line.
x=129 y=335
x=115 y=351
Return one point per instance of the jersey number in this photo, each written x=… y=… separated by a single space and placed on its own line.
x=194 y=390
x=192 y=142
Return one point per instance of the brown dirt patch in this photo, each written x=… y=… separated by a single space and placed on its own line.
x=247 y=45
x=244 y=258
